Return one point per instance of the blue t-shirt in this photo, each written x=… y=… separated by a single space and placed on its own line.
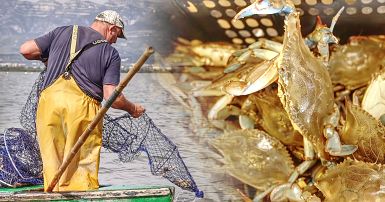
x=95 y=66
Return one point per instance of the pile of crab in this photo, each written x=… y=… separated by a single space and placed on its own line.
x=299 y=124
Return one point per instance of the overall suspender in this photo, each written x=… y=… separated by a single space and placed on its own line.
x=74 y=55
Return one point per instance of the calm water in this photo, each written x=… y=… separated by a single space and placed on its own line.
x=166 y=113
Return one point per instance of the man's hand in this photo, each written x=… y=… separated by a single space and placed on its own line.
x=138 y=111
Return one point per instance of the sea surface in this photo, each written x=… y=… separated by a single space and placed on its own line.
x=169 y=115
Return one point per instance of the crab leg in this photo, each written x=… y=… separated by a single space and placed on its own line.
x=263 y=49
x=248 y=119
x=259 y=197
x=333 y=142
x=282 y=191
x=260 y=77
x=289 y=190
x=268 y=44
x=264 y=54
x=219 y=105
x=335 y=18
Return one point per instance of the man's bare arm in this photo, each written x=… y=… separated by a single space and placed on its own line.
x=30 y=50
x=122 y=103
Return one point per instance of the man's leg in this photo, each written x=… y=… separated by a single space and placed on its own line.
x=50 y=137
x=82 y=172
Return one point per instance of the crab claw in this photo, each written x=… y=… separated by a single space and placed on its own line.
x=333 y=39
x=289 y=191
x=258 y=7
x=264 y=7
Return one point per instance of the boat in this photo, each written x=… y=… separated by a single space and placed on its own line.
x=104 y=193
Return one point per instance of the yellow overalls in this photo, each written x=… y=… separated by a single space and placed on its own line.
x=64 y=112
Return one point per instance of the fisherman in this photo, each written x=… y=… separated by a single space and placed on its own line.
x=72 y=95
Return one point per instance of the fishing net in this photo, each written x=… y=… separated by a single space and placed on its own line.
x=128 y=136
x=19 y=158
x=28 y=112
x=20 y=161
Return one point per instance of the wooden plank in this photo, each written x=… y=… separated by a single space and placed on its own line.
x=165 y=193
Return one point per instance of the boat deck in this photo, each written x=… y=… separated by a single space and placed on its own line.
x=106 y=193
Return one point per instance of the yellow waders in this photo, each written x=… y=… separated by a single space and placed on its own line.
x=63 y=113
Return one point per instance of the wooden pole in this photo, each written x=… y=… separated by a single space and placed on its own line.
x=99 y=116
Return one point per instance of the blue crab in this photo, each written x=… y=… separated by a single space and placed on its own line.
x=353 y=180
x=255 y=157
x=262 y=74
x=305 y=87
x=322 y=36
x=353 y=65
x=305 y=90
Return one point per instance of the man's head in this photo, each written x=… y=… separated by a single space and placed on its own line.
x=110 y=25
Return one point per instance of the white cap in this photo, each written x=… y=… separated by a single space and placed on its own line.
x=113 y=18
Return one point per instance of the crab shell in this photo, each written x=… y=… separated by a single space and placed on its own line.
x=305 y=87
x=353 y=181
x=274 y=119
x=353 y=64
x=255 y=158
x=366 y=132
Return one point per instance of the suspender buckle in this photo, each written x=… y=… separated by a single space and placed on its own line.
x=66 y=75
